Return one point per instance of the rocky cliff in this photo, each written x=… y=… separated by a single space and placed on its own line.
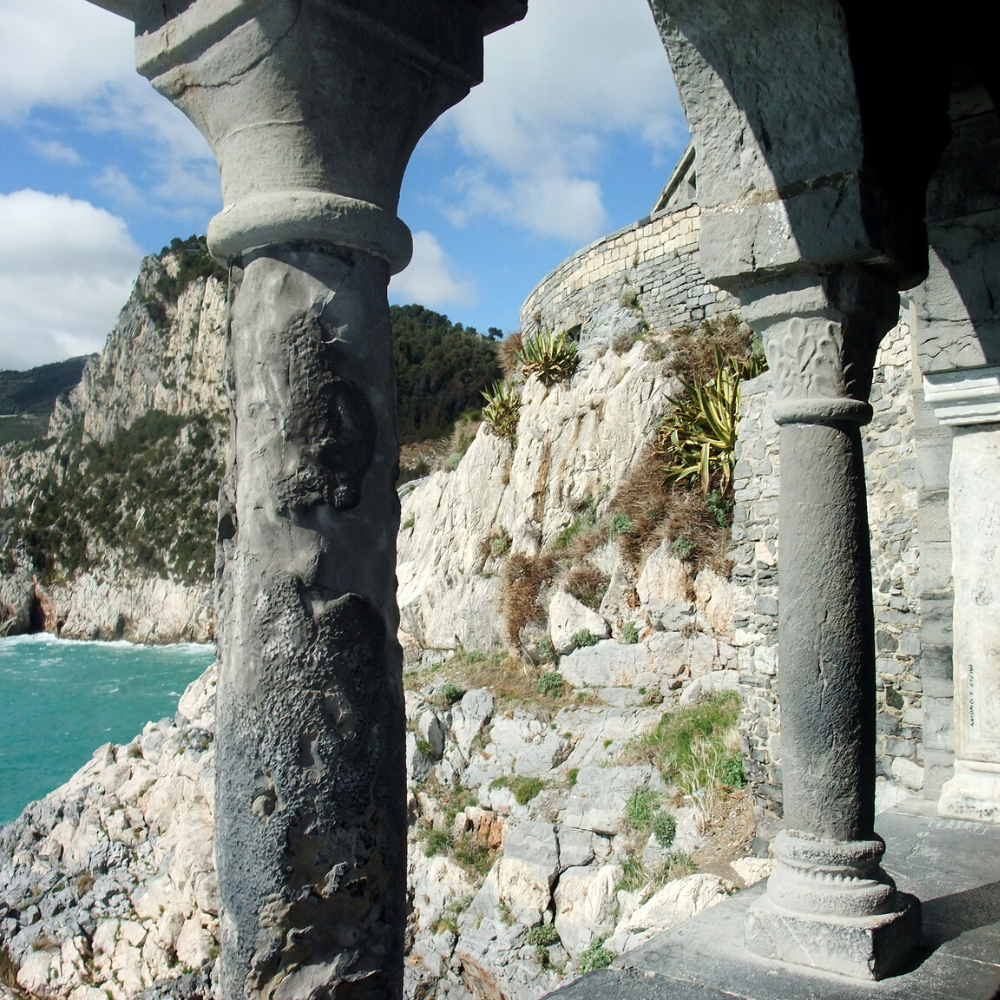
x=569 y=508
x=107 y=525
x=549 y=832
x=573 y=764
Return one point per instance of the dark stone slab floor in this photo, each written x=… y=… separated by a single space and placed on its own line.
x=951 y=865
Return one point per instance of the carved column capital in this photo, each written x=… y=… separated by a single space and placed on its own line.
x=312 y=108
x=821 y=335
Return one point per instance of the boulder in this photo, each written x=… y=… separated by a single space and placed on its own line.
x=585 y=905
x=657 y=659
x=528 y=869
x=663 y=580
x=675 y=902
x=568 y=617
x=714 y=597
x=437 y=883
x=469 y=716
x=620 y=603
x=706 y=685
x=753 y=870
x=606 y=664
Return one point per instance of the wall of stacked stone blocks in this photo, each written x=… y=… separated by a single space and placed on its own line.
x=896 y=493
x=656 y=258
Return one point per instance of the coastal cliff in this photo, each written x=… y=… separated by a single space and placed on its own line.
x=107 y=524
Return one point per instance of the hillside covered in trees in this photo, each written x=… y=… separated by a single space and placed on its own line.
x=27 y=398
x=441 y=369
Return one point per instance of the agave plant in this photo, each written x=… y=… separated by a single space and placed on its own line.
x=502 y=409
x=698 y=438
x=549 y=356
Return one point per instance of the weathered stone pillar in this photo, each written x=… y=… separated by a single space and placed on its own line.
x=812 y=219
x=312 y=108
x=828 y=904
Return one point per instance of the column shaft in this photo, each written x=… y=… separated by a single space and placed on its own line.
x=311 y=795
x=827 y=678
x=829 y=904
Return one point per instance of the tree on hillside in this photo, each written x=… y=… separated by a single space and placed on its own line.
x=441 y=368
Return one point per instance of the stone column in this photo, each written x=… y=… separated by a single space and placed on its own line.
x=312 y=108
x=828 y=904
x=969 y=401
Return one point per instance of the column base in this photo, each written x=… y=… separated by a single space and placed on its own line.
x=860 y=947
x=973 y=793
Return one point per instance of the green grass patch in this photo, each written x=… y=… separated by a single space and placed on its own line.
x=640 y=807
x=620 y=524
x=544 y=935
x=436 y=842
x=583 y=638
x=695 y=747
x=450 y=693
x=664 y=828
x=596 y=956
x=551 y=684
x=524 y=789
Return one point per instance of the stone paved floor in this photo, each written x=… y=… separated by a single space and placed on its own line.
x=952 y=866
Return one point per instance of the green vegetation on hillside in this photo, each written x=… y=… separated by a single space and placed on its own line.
x=27 y=398
x=144 y=501
x=441 y=369
x=194 y=261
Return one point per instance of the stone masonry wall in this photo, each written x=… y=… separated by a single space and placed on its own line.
x=890 y=448
x=657 y=258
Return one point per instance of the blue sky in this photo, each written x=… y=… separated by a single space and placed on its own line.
x=571 y=136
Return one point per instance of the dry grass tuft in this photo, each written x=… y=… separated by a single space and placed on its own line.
x=509 y=351
x=658 y=510
x=693 y=356
x=523 y=579
x=587 y=584
x=8 y=973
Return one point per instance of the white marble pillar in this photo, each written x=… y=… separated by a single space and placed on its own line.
x=969 y=400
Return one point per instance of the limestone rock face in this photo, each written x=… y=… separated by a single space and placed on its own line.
x=585 y=906
x=663 y=580
x=147 y=610
x=109 y=882
x=518 y=841
x=675 y=902
x=568 y=617
x=574 y=440
x=165 y=353
x=17 y=597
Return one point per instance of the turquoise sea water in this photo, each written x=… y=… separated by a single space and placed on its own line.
x=60 y=700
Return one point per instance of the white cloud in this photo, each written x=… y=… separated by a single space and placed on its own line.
x=430 y=278
x=558 y=86
x=55 y=151
x=66 y=269
x=75 y=56
x=59 y=52
x=115 y=184
x=571 y=208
